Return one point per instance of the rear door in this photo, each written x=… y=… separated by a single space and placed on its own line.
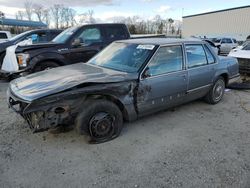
x=164 y=81
x=201 y=68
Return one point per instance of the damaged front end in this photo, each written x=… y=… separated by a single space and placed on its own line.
x=46 y=113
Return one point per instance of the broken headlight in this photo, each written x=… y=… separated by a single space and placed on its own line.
x=23 y=59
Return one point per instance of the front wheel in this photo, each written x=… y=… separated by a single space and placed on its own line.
x=216 y=93
x=102 y=120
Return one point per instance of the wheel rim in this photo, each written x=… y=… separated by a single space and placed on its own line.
x=101 y=125
x=218 y=90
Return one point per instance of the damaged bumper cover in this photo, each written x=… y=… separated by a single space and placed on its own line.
x=43 y=114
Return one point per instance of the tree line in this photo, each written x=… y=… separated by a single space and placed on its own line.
x=60 y=16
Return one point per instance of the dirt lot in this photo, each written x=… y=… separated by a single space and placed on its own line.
x=197 y=145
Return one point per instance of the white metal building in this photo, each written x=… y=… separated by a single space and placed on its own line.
x=234 y=22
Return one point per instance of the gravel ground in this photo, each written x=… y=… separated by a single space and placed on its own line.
x=195 y=145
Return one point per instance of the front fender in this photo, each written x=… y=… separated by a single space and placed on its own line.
x=56 y=57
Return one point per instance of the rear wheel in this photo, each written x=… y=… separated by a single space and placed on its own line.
x=45 y=66
x=100 y=119
x=216 y=93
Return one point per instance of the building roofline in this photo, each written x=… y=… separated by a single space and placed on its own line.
x=212 y=12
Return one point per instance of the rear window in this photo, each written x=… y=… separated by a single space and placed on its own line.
x=115 y=33
x=3 y=36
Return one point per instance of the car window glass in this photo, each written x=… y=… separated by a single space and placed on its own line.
x=115 y=32
x=90 y=35
x=166 y=60
x=3 y=36
x=39 y=38
x=217 y=40
x=223 y=41
x=229 y=41
x=210 y=57
x=195 y=55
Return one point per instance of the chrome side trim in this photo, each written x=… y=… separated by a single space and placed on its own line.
x=199 y=88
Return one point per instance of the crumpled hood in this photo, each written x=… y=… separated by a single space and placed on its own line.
x=52 y=81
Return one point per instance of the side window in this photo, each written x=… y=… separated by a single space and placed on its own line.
x=210 y=57
x=229 y=41
x=41 y=37
x=90 y=35
x=167 y=59
x=3 y=36
x=196 y=56
x=224 y=41
x=115 y=33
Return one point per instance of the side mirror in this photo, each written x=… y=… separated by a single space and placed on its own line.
x=77 y=42
x=146 y=73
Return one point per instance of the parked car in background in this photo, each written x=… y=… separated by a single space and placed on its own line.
x=4 y=35
x=226 y=44
x=127 y=80
x=37 y=36
x=243 y=56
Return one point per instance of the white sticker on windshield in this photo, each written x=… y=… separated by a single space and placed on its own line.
x=145 y=46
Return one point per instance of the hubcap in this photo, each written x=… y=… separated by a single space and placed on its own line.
x=218 y=90
x=101 y=125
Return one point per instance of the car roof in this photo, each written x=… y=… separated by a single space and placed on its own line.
x=160 y=41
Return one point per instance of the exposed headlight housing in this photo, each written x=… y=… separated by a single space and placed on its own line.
x=23 y=59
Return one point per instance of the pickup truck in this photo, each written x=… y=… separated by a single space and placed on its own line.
x=40 y=36
x=74 y=45
x=127 y=80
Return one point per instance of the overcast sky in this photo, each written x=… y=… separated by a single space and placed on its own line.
x=104 y=9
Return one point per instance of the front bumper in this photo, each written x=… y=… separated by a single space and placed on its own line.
x=40 y=117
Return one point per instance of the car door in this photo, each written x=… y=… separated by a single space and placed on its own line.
x=91 y=42
x=201 y=69
x=163 y=83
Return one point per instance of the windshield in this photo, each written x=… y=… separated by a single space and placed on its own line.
x=123 y=56
x=19 y=36
x=65 y=35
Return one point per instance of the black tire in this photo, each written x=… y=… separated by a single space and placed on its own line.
x=101 y=120
x=45 y=66
x=216 y=93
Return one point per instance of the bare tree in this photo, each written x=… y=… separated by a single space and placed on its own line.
x=56 y=13
x=46 y=16
x=20 y=15
x=38 y=10
x=87 y=17
x=28 y=9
